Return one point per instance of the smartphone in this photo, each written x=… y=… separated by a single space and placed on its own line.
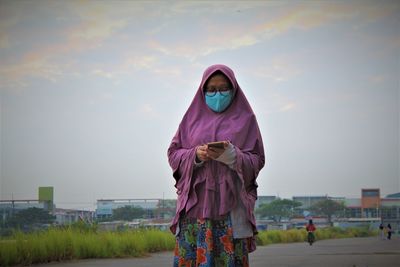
x=216 y=144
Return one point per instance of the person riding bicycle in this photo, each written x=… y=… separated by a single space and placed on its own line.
x=310 y=227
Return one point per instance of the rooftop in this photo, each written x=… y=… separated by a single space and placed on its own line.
x=395 y=195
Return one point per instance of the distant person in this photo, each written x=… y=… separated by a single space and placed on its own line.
x=385 y=231
x=310 y=228
x=216 y=184
x=381 y=228
x=389 y=231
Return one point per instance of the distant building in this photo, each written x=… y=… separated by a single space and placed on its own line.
x=372 y=208
x=68 y=216
x=369 y=210
x=308 y=201
x=353 y=207
x=45 y=201
x=337 y=199
x=396 y=195
x=390 y=209
x=105 y=207
x=370 y=203
x=9 y=207
x=367 y=206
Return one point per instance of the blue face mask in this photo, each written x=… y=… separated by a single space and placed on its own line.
x=219 y=102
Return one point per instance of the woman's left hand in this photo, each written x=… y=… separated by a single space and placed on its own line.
x=214 y=153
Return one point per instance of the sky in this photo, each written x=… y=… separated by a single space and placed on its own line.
x=92 y=92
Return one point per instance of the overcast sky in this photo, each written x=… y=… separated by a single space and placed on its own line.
x=92 y=93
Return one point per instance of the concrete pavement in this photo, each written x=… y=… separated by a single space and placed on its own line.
x=352 y=252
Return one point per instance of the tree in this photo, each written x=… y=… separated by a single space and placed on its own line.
x=328 y=207
x=166 y=208
x=128 y=213
x=30 y=216
x=278 y=209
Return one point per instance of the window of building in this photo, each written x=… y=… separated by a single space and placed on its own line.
x=389 y=213
x=371 y=213
x=353 y=212
x=370 y=193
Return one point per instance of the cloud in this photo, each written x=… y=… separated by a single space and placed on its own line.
x=4 y=41
x=287 y=107
x=138 y=62
x=277 y=102
x=146 y=111
x=7 y=22
x=36 y=67
x=187 y=31
x=95 y=27
x=262 y=24
x=378 y=79
x=102 y=73
x=49 y=59
x=281 y=68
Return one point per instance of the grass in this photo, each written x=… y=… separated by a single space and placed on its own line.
x=67 y=244
x=300 y=235
x=82 y=243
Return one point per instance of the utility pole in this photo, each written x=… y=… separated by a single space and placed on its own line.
x=12 y=204
x=163 y=206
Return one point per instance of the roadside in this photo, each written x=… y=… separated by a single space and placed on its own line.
x=352 y=252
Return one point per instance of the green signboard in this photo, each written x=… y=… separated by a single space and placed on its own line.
x=46 y=193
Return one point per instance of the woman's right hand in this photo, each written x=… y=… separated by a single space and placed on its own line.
x=201 y=153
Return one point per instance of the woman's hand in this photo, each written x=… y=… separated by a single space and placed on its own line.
x=201 y=153
x=214 y=153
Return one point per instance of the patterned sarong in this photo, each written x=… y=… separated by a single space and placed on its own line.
x=209 y=243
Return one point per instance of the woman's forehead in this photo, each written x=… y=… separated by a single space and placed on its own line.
x=218 y=76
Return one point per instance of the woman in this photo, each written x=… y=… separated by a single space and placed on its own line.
x=389 y=231
x=214 y=222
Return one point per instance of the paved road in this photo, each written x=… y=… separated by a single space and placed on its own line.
x=352 y=252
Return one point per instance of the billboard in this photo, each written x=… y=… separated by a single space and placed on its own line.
x=46 y=194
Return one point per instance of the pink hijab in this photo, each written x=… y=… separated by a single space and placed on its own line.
x=201 y=125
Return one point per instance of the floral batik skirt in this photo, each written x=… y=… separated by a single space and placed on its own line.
x=209 y=243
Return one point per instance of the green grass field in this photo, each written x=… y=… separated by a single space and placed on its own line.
x=76 y=243
x=66 y=244
x=300 y=235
